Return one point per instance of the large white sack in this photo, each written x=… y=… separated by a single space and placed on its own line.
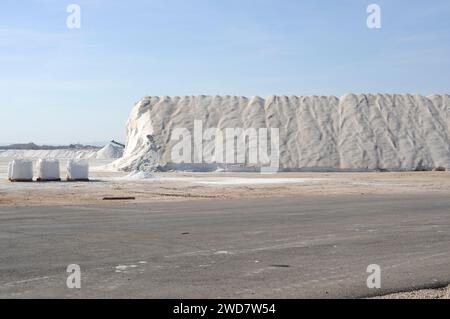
x=10 y=164
x=47 y=170
x=21 y=170
x=77 y=169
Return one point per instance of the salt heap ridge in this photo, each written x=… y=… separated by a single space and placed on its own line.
x=357 y=132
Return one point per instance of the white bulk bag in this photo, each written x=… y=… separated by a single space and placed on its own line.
x=21 y=170
x=10 y=164
x=77 y=169
x=48 y=170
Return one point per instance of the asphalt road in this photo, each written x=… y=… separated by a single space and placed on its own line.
x=278 y=248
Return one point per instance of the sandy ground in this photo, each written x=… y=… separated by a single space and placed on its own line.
x=442 y=293
x=195 y=186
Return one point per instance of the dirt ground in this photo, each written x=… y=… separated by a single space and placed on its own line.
x=204 y=186
x=443 y=293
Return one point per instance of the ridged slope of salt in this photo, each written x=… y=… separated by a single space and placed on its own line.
x=110 y=151
x=317 y=133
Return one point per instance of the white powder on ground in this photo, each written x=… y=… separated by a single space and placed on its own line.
x=255 y=181
x=138 y=175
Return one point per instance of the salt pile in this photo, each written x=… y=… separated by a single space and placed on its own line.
x=48 y=170
x=110 y=151
x=49 y=154
x=317 y=133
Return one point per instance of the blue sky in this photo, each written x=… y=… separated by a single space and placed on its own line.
x=60 y=85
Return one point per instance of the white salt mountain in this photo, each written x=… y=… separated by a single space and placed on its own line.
x=317 y=133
